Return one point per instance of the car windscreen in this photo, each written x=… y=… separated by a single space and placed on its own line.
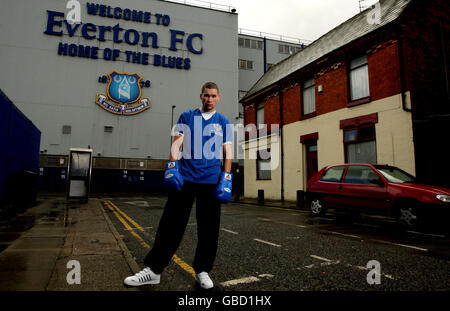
x=395 y=175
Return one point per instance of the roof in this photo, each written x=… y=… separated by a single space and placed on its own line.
x=347 y=32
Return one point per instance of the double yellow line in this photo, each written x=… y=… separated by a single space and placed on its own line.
x=118 y=212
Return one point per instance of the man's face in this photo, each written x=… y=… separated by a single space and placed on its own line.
x=209 y=98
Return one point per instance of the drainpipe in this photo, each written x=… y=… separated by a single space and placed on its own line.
x=282 y=143
x=444 y=55
x=402 y=72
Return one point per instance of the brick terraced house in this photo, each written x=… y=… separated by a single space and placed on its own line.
x=374 y=89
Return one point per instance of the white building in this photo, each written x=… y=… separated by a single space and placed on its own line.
x=80 y=83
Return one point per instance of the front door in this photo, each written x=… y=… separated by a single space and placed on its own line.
x=311 y=160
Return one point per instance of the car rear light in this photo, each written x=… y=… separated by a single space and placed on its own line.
x=443 y=197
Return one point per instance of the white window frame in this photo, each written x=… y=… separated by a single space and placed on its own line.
x=308 y=97
x=359 y=78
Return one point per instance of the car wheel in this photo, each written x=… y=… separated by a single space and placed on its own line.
x=317 y=207
x=408 y=216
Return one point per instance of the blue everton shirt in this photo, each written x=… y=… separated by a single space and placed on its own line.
x=202 y=145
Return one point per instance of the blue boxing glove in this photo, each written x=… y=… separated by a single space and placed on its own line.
x=224 y=188
x=172 y=176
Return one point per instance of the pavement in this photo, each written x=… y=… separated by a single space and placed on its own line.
x=61 y=245
x=60 y=238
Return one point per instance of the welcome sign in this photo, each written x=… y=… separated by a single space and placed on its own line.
x=56 y=26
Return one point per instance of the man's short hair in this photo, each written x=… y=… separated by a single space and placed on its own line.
x=210 y=85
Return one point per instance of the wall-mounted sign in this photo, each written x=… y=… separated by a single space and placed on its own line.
x=123 y=94
x=58 y=26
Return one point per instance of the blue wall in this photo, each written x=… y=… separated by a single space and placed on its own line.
x=19 y=152
x=54 y=179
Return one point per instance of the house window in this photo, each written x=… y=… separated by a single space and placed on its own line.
x=359 y=78
x=309 y=97
x=360 y=144
x=263 y=171
x=260 y=114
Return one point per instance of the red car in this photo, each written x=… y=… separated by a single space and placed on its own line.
x=375 y=189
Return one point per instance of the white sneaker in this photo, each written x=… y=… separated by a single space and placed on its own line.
x=204 y=280
x=143 y=277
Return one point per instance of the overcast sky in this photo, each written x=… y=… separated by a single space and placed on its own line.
x=303 y=19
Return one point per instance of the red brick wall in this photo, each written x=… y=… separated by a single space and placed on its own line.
x=425 y=34
x=249 y=115
x=272 y=111
x=291 y=105
x=423 y=48
x=384 y=72
x=335 y=90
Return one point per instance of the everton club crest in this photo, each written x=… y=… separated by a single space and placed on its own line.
x=123 y=95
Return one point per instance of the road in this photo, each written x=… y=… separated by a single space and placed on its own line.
x=274 y=249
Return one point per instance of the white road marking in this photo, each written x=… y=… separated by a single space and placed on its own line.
x=327 y=262
x=246 y=280
x=403 y=245
x=301 y=226
x=433 y=235
x=324 y=264
x=264 y=219
x=321 y=258
x=268 y=243
x=229 y=231
x=249 y=279
x=266 y=275
x=347 y=235
x=138 y=203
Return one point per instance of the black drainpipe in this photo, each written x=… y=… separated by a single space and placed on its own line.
x=402 y=72
x=282 y=144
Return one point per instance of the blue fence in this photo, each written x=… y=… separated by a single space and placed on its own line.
x=19 y=156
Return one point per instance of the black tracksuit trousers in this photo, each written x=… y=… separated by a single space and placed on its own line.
x=173 y=225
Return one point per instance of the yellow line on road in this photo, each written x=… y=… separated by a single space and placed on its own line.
x=126 y=216
x=128 y=227
x=175 y=258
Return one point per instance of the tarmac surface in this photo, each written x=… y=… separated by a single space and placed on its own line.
x=42 y=248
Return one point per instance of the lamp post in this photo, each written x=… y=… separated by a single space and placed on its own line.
x=171 y=126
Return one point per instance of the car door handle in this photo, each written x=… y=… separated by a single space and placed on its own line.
x=340 y=187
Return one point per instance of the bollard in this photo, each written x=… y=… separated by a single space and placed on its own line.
x=300 y=198
x=261 y=197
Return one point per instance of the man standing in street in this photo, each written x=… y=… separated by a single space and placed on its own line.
x=205 y=135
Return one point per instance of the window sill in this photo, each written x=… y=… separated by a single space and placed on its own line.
x=308 y=116
x=360 y=101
